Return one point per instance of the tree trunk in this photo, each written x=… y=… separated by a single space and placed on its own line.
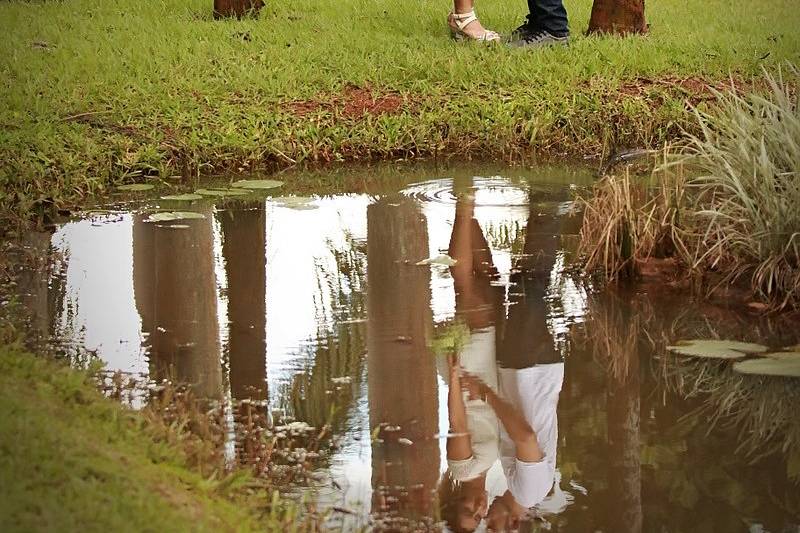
x=621 y=17
x=236 y=8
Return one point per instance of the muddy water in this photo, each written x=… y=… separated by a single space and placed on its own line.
x=318 y=308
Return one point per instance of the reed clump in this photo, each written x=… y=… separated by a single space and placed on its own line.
x=727 y=206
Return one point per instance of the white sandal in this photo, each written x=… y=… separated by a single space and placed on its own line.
x=461 y=21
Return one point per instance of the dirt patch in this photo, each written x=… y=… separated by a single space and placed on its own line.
x=696 y=89
x=353 y=102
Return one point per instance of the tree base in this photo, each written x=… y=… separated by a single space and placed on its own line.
x=236 y=8
x=620 y=17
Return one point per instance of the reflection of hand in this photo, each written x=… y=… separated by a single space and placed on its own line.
x=452 y=361
x=476 y=388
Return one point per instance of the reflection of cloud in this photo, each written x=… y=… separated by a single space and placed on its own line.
x=99 y=311
x=568 y=300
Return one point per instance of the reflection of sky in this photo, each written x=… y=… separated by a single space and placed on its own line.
x=299 y=242
x=299 y=246
x=99 y=292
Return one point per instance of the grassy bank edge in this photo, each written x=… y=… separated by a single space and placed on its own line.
x=89 y=159
x=73 y=460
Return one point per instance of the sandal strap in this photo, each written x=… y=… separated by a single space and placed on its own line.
x=464 y=19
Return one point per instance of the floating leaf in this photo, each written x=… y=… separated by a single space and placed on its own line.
x=257 y=184
x=299 y=203
x=442 y=259
x=789 y=356
x=166 y=216
x=716 y=349
x=221 y=192
x=189 y=197
x=789 y=367
x=136 y=187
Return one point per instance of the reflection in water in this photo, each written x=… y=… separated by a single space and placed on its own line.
x=511 y=373
x=176 y=297
x=402 y=384
x=244 y=250
x=626 y=439
x=623 y=416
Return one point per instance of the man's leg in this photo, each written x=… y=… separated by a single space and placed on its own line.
x=549 y=16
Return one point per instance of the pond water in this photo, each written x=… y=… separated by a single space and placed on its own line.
x=317 y=308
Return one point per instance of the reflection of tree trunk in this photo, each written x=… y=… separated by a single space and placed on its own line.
x=175 y=291
x=34 y=287
x=244 y=251
x=236 y=8
x=623 y=419
x=401 y=370
x=617 y=16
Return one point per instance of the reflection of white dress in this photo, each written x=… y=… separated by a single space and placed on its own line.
x=534 y=391
x=478 y=358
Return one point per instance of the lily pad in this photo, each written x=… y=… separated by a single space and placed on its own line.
x=442 y=259
x=787 y=356
x=716 y=349
x=257 y=184
x=166 y=216
x=136 y=187
x=299 y=203
x=789 y=367
x=189 y=197
x=221 y=192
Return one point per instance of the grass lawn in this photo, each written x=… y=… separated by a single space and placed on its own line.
x=97 y=92
x=72 y=460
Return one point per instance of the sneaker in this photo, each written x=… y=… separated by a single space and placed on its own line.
x=517 y=34
x=525 y=38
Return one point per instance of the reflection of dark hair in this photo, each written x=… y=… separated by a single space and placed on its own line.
x=451 y=492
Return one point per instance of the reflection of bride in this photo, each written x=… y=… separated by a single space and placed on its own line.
x=473 y=448
x=522 y=394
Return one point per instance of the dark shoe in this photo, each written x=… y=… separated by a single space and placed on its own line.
x=524 y=29
x=535 y=39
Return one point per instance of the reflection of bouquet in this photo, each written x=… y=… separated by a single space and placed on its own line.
x=449 y=338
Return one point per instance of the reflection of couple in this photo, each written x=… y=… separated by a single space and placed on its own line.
x=504 y=384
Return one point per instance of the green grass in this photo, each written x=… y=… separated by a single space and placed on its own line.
x=72 y=460
x=96 y=92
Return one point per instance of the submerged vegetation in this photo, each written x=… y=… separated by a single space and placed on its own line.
x=726 y=204
x=96 y=93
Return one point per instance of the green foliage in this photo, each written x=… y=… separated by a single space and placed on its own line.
x=449 y=338
x=748 y=192
x=726 y=204
x=96 y=93
x=73 y=460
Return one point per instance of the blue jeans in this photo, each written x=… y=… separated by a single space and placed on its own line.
x=548 y=15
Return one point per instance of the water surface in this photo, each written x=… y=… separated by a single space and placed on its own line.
x=318 y=309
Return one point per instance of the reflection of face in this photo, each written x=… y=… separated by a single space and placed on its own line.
x=500 y=517
x=471 y=510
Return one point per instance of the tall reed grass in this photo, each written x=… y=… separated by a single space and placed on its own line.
x=728 y=202
x=747 y=214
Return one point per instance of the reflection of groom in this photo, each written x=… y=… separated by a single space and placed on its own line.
x=546 y=24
